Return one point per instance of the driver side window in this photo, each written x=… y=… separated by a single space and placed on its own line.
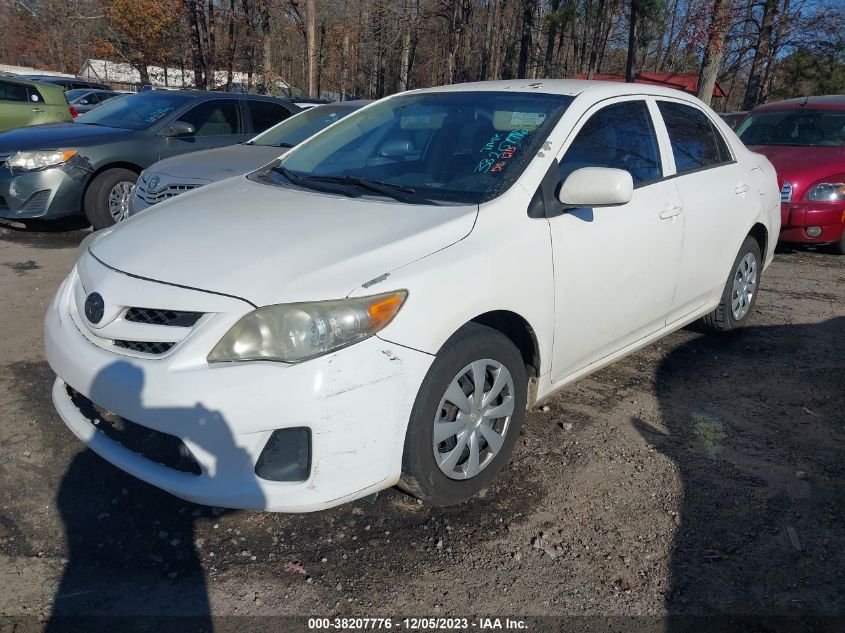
x=619 y=136
x=214 y=118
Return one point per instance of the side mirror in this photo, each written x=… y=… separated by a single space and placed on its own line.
x=179 y=128
x=596 y=187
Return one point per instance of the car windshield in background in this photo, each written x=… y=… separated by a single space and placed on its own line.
x=456 y=147
x=135 y=112
x=71 y=95
x=805 y=128
x=298 y=128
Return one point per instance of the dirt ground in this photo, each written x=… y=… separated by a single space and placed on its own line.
x=700 y=476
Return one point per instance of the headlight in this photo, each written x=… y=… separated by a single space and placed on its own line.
x=39 y=159
x=294 y=332
x=828 y=191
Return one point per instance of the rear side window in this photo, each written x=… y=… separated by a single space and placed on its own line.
x=12 y=92
x=265 y=114
x=696 y=143
x=34 y=95
x=220 y=117
x=619 y=136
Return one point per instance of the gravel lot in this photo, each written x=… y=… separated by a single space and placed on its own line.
x=702 y=475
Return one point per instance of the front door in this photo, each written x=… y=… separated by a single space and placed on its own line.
x=216 y=123
x=615 y=268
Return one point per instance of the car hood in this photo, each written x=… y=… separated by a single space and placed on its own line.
x=803 y=166
x=58 y=135
x=218 y=163
x=270 y=244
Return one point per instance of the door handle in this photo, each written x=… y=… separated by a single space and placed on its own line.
x=670 y=213
x=741 y=188
x=38 y=110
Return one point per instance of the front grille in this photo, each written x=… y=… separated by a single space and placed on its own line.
x=786 y=191
x=162 y=448
x=154 y=196
x=155 y=348
x=152 y=316
x=37 y=202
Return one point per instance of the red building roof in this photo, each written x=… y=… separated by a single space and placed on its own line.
x=688 y=82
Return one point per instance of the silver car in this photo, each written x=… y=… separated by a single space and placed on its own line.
x=172 y=176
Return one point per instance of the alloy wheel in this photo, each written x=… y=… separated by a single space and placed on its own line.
x=473 y=419
x=119 y=200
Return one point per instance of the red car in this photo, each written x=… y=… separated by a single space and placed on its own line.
x=805 y=141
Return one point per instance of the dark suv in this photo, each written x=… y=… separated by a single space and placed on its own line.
x=90 y=166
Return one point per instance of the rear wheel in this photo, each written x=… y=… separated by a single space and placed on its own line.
x=107 y=197
x=740 y=292
x=466 y=418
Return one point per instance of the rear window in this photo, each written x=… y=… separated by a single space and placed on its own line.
x=266 y=114
x=798 y=127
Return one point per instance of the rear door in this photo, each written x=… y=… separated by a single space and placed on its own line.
x=15 y=107
x=615 y=267
x=714 y=190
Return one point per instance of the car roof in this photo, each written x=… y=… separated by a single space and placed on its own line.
x=217 y=94
x=569 y=87
x=824 y=102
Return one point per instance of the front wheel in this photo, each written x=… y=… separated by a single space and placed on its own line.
x=107 y=197
x=839 y=247
x=466 y=418
x=740 y=293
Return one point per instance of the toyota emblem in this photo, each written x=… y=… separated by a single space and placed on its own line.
x=94 y=307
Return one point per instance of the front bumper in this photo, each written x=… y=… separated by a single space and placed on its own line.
x=49 y=193
x=356 y=403
x=796 y=218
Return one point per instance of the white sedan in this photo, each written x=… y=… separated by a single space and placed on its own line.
x=380 y=306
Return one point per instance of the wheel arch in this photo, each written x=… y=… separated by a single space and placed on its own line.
x=115 y=165
x=520 y=333
x=760 y=233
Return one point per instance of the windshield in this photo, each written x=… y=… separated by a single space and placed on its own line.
x=70 y=95
x=459 y=147
x=299 y=127
x=135 y=112
x=805 y=128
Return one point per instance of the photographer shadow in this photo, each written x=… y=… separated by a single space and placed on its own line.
x=754 y=424
x=133 y=563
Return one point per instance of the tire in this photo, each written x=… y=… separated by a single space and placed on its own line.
x=732 y=312
x=422 y=474
x=839 y=247
x=97 y=204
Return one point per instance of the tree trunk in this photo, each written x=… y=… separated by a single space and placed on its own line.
x=232 y=44
x=311 y=45
x=551 y=35
x=525 y=37
x=761 y=53
x=409 y=43
x=630 y=72
x=715 y=50
x=197 y=54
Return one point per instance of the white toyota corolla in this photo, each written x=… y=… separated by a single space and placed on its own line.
x=380 y=306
